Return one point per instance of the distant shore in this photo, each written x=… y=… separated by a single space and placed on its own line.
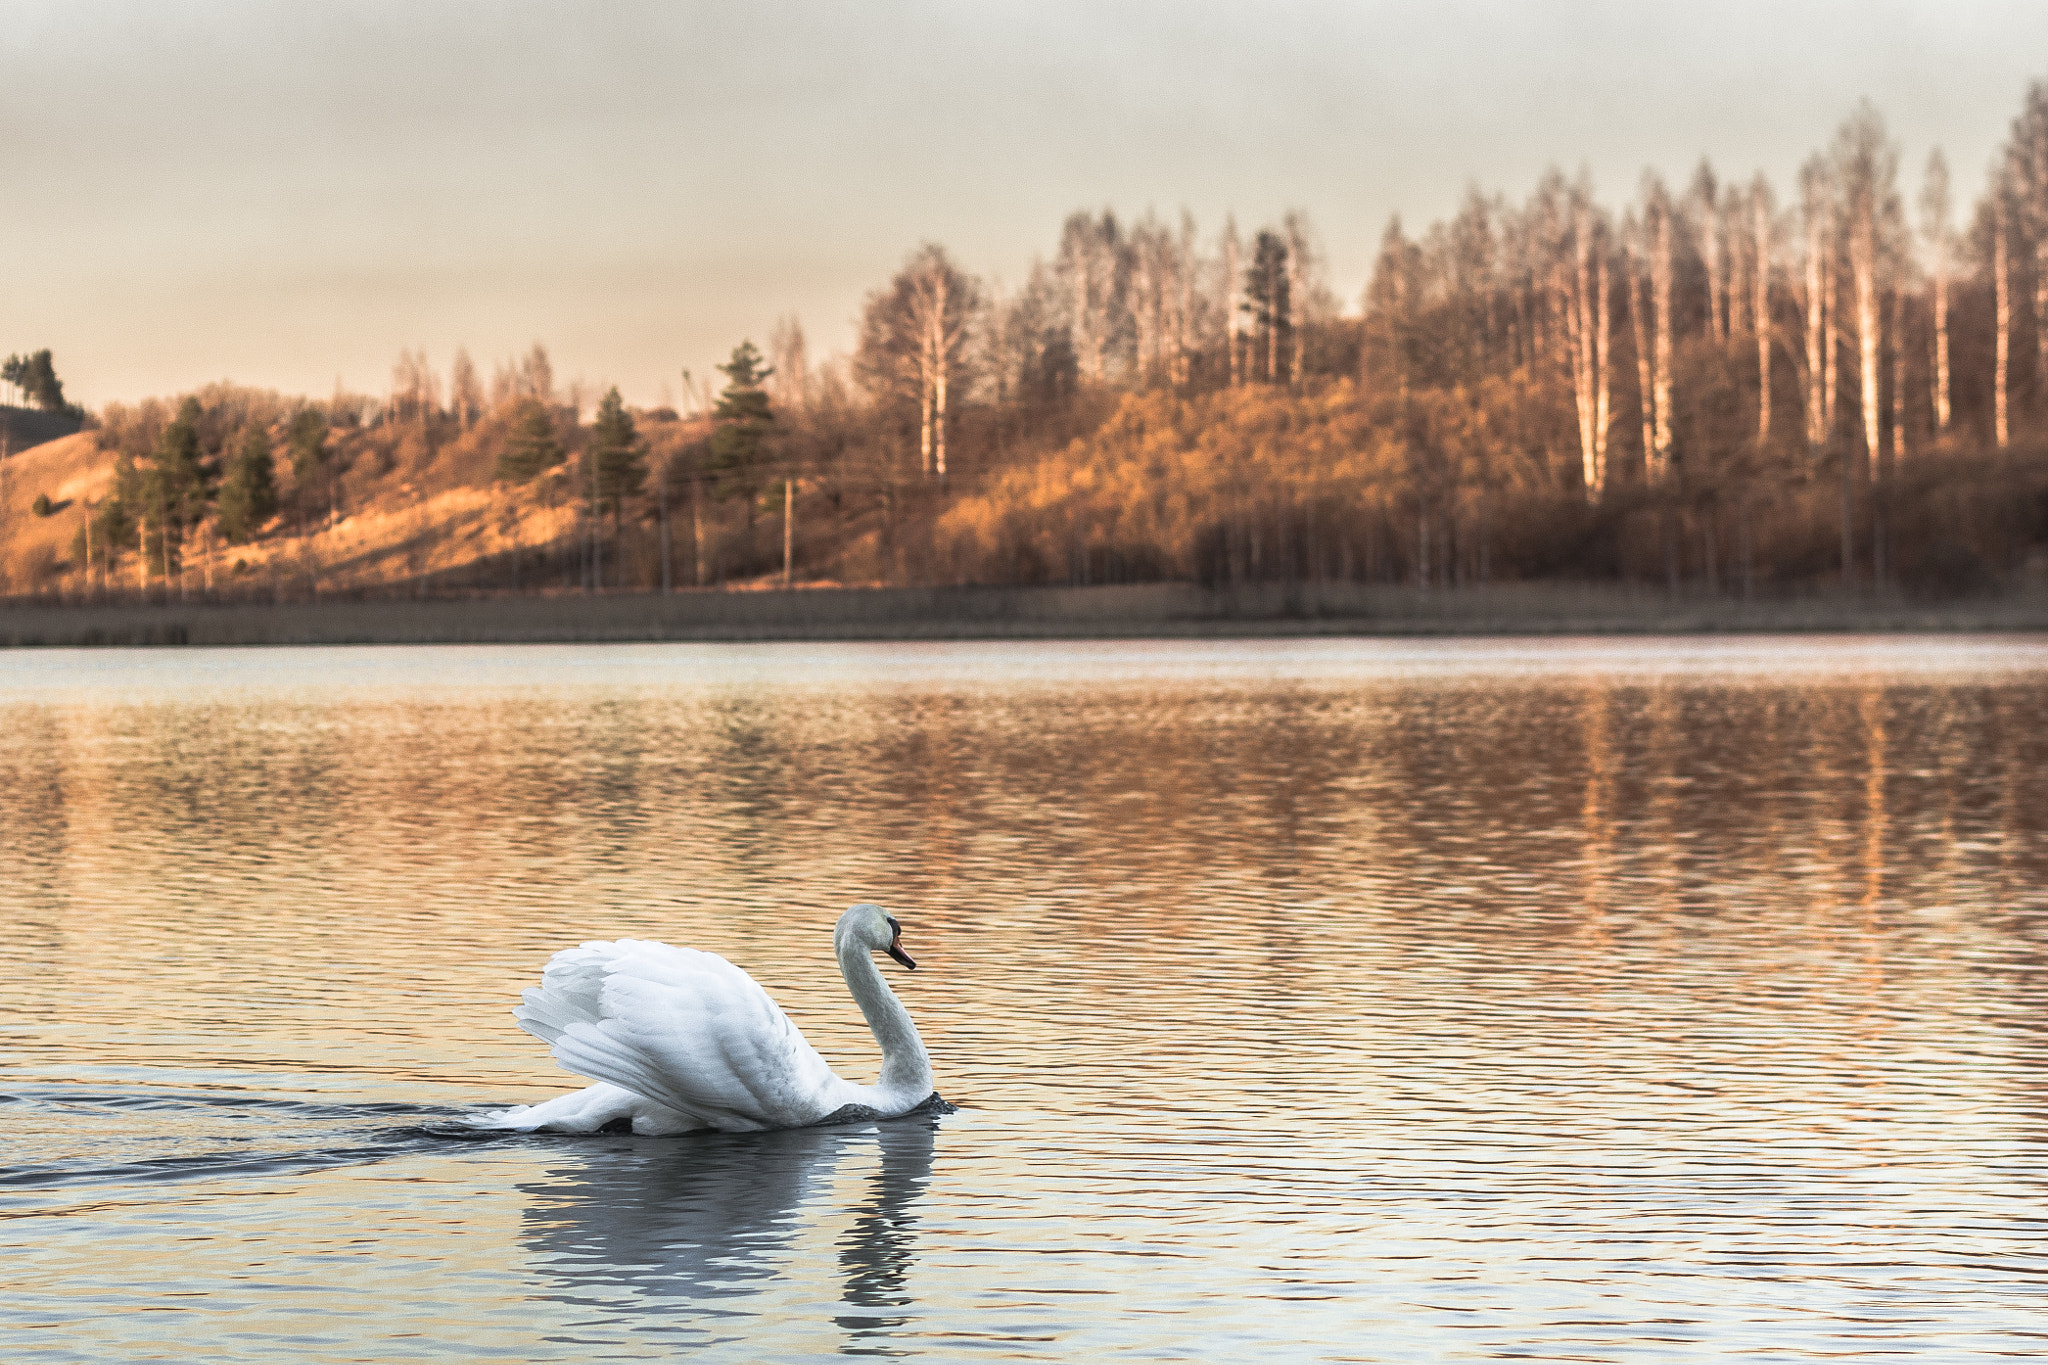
x=1151 y=610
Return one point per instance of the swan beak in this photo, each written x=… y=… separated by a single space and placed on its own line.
x=896 y=951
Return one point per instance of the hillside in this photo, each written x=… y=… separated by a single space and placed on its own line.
x=416 y=507
x=75 y=474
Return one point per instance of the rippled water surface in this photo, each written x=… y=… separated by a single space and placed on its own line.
x=1326 y=1000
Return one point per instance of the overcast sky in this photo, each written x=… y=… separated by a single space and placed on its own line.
x=287 y=193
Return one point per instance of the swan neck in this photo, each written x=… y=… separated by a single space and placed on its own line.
x=906 y=1066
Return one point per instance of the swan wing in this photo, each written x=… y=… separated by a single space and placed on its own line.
x=684 y=1028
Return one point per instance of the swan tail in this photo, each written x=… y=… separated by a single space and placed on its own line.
x=597 y=1108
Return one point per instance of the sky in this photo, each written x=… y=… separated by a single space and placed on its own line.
x=287 y=194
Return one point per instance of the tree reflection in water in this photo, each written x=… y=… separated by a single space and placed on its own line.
x=710 y=1219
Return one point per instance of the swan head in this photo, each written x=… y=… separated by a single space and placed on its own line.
x=874 y=929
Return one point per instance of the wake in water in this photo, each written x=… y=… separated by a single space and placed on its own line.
x=62 y=1138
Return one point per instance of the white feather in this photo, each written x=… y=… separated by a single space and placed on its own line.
x=679 y=1039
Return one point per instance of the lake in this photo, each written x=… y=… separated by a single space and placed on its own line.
x=1317 y=1000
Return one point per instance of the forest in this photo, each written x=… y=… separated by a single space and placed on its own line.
x=1718 y=385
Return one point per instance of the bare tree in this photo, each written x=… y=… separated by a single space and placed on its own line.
x=789 y=363
x=1762 y=221
x=1228 y=296
x=537 y=375
x=1094 y=265
x=2027 y=159
x=1156 y=270
x=1866 y=165
x=2001 y=284
x=1638 y=316
x=415 y=389
x=465 y=392
x=1939 y=239
x=1706 y=202
x=914 y=344
x=1309 y=297
x=1816 y=189
x=1582 y=282
x=1657 y=246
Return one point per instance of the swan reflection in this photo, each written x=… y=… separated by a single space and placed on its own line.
x=712 y=1218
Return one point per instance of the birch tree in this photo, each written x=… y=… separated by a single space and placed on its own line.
x=1938 y=239
x=1762 y=225
x=1638 y=316
x=1866 y=175
x=1657 y=249
x=1706 y=203
x=2027 y=157
x=914 y=344
x=1586 y=308
x=1094 y=266
x=2001 y=288
x=1816 y=193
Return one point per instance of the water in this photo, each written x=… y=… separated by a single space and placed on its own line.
x=1327 y=1000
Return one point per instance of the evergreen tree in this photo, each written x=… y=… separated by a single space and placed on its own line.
x=249 y=497
x=617 y=453
x=739 y=445
x=181 y=482
x=35 y=375
x=1267 y=291
x=533 y=445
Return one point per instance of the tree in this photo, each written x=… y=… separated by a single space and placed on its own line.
x=1269 y=304
x=745 y=419
x=1652 y=298
x=249 y=497
x=2027 y=160
x=617 y=454
x=1865 y=167
x=1763 y=231
x=2001 y=284
x=1583 y=289
x=307 y=436
x=1939 y=239
x=533 y=445
x=35 y=375
x=415 y=388
x=180 y=485
x=914 y=344
x=1094 y=266
x=465 y=391
x=791 y=363
x=1706 y=203
x=1817 y=214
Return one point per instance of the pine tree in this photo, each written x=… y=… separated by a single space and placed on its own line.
x=533 y=445
x=617 y=451
x=181 y=483
x=249 y=498
x=739 y=445
x=1268 y=301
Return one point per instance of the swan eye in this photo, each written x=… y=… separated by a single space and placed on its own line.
x=894 y=927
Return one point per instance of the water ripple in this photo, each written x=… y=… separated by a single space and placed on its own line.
x=1320 y=1000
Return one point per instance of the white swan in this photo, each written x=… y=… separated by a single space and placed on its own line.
x=679 y=1040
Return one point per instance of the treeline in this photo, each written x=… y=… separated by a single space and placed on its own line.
x=1722 y=384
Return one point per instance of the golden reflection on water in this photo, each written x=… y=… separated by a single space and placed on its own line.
x=1417 y=980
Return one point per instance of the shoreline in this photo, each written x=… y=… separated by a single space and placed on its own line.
x=1167 y=610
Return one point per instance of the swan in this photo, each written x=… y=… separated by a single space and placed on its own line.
x=679 y=1040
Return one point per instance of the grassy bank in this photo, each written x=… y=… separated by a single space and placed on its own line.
x=1158 y=610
